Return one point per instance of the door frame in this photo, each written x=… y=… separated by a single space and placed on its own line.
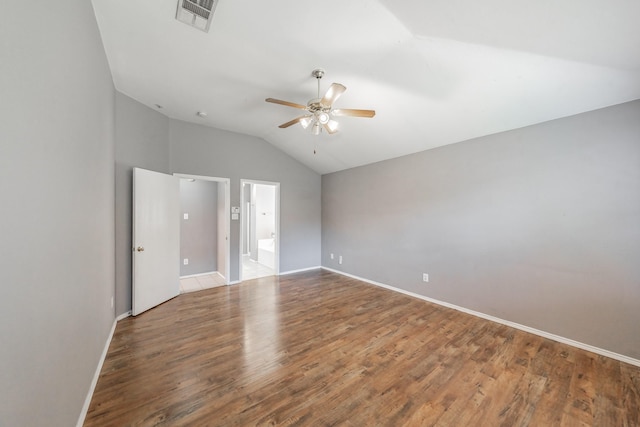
x=243 y=213
x=227 y=209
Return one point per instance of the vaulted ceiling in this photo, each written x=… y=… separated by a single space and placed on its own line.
x=436 y=71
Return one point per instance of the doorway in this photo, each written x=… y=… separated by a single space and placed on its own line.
x=259 y=229
x=205 y=231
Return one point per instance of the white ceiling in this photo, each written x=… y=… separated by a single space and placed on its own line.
x=436 y=71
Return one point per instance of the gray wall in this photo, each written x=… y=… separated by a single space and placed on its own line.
x=199 y=233
x=539 y=226
x=142 y=140
x=200 y=150
x=56 y=210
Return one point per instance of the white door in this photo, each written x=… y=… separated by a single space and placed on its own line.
x=156 y=239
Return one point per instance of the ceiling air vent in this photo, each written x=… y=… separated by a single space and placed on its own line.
x=197 y=13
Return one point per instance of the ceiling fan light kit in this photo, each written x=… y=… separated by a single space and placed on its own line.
x=306 y=121
x=320 y=110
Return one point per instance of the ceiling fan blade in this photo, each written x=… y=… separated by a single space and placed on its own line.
x=292 y=122
x=287 y=103
x=333 y=93
x=353 y=112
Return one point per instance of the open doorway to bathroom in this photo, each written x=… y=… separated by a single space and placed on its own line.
x=259 y=230
x=204 y=232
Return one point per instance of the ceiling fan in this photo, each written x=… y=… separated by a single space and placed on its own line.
x=320 y=110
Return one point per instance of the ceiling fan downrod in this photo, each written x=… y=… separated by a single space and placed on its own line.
x=318 y=73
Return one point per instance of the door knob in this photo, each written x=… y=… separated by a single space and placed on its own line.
x=140 y=249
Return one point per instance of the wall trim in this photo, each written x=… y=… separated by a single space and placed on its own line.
x=96 y=374
x=123 y=316
x=301 y=270
x=201 y=274
x=557 y=338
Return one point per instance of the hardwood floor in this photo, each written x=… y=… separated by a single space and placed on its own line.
x=322 y=349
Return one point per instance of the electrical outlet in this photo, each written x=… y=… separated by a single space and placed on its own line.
x=340 y=259
x=425 y=277
x=331 y=256
x=112 y=302
x=185 y=216
x=185 y=261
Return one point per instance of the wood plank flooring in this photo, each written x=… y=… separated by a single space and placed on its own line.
x=321 y=349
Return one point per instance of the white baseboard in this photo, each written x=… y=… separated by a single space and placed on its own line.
x=202 y=274
x=123 y=316
x=284 y=273
x=96 y=375
x=558 y=338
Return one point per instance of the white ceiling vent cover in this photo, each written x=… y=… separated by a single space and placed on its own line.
x=197 y=13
